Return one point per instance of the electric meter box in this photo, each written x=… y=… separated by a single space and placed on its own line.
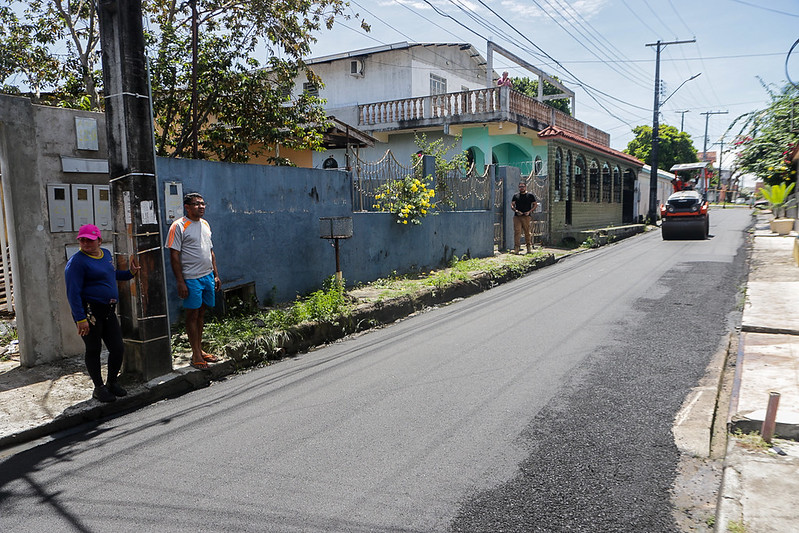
x=102 y=206
x=173 y=201
x=59 y=207
x=82 y=205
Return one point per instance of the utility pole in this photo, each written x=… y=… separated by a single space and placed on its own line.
x=194 y=35
x=682 y=118
x=653 y=176
x=134 y=192
x=704 y=149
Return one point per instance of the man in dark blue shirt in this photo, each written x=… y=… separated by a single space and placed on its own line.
x=523 y=204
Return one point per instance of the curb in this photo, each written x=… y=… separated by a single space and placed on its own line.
x=694 y=423
x=728 y=508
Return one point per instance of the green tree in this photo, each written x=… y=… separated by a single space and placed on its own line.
x=674 y=146
x=530 y=88
x=244 y=106
x=766 y=138
x=28 y=47
x=25 y=58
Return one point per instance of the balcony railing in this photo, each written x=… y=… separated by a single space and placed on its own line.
x=461 y=105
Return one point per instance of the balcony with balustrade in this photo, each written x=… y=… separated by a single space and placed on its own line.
x=480 y=106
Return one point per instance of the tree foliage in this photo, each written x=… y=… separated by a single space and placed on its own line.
x=244 y=105
x=530 y=88
x=249 y=55
x=766 y=138
x=674 y=146
x=50 y=47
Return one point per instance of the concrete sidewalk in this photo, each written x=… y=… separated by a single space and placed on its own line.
x=760 y=487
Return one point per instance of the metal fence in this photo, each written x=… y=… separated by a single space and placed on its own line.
x=370 y=176
x=456 y=190
x=463 y=190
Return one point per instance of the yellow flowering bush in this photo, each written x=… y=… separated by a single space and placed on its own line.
x=410 y=198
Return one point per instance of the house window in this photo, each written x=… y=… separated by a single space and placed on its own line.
x=569 y=174
x=310 y=89
x=606 y=183
x=356 y=67
x=593 y=182
x=558 y=173
x=616 y=185
x=579 y=180
x=438 y=85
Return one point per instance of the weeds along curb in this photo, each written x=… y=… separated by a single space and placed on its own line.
x=306 y=336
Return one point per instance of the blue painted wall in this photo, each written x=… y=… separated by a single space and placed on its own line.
x=265 y=223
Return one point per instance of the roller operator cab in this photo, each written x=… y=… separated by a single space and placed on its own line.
x=685 y=216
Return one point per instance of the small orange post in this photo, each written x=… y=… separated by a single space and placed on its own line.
x=770 y=422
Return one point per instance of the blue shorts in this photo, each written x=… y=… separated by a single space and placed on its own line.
x=201 y=291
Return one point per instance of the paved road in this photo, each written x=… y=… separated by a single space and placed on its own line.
x=543 y=405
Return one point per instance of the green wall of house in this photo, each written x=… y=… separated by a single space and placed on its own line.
x=512 y=150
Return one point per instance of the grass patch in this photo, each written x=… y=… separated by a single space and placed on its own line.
x=8 y=335
x=751 y=441
x=736 y=526
x=459 y=270
x=270 y=327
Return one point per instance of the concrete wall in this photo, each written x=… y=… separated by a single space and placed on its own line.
x=664 y=188
x=265 y=223
x=33 y=141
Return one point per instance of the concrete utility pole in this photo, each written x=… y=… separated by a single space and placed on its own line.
x=129 y=126
x=682 y=118
x=704 y=148
x=653 y=176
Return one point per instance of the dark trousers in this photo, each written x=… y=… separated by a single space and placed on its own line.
x=103 y=328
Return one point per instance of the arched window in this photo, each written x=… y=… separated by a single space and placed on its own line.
x=558 y=173
x=579 y=180
x=569 y=176
x=606 y=197
x=593 y=181
x=616 y=185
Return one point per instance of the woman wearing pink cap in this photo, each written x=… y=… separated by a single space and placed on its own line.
x=92 y=293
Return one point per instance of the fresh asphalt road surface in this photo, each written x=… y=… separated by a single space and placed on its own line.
x=545 y=404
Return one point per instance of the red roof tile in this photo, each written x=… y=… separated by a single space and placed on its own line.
x=552 y=132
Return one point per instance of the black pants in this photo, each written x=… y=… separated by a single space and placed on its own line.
x=103 y=327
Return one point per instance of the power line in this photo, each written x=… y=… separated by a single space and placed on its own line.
x=585 y=86
x=766 y=9
x=585 y=22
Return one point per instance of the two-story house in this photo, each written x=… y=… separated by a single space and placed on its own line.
x=449 y=91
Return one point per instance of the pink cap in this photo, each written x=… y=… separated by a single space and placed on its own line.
x=89 y=231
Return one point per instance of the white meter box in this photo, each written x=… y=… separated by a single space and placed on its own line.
x=82 y=205
x=173 y=201
x=59 y=207
x=102 y=206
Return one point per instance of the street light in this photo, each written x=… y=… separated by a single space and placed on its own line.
x=678 y=88
x=655 y=145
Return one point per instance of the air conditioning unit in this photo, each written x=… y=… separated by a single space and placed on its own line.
x=356 y=67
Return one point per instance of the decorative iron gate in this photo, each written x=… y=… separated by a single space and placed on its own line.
x=539 y=186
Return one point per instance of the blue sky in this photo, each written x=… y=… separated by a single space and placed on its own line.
x=598 y=48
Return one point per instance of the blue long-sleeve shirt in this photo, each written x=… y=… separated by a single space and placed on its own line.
x=92 y=279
